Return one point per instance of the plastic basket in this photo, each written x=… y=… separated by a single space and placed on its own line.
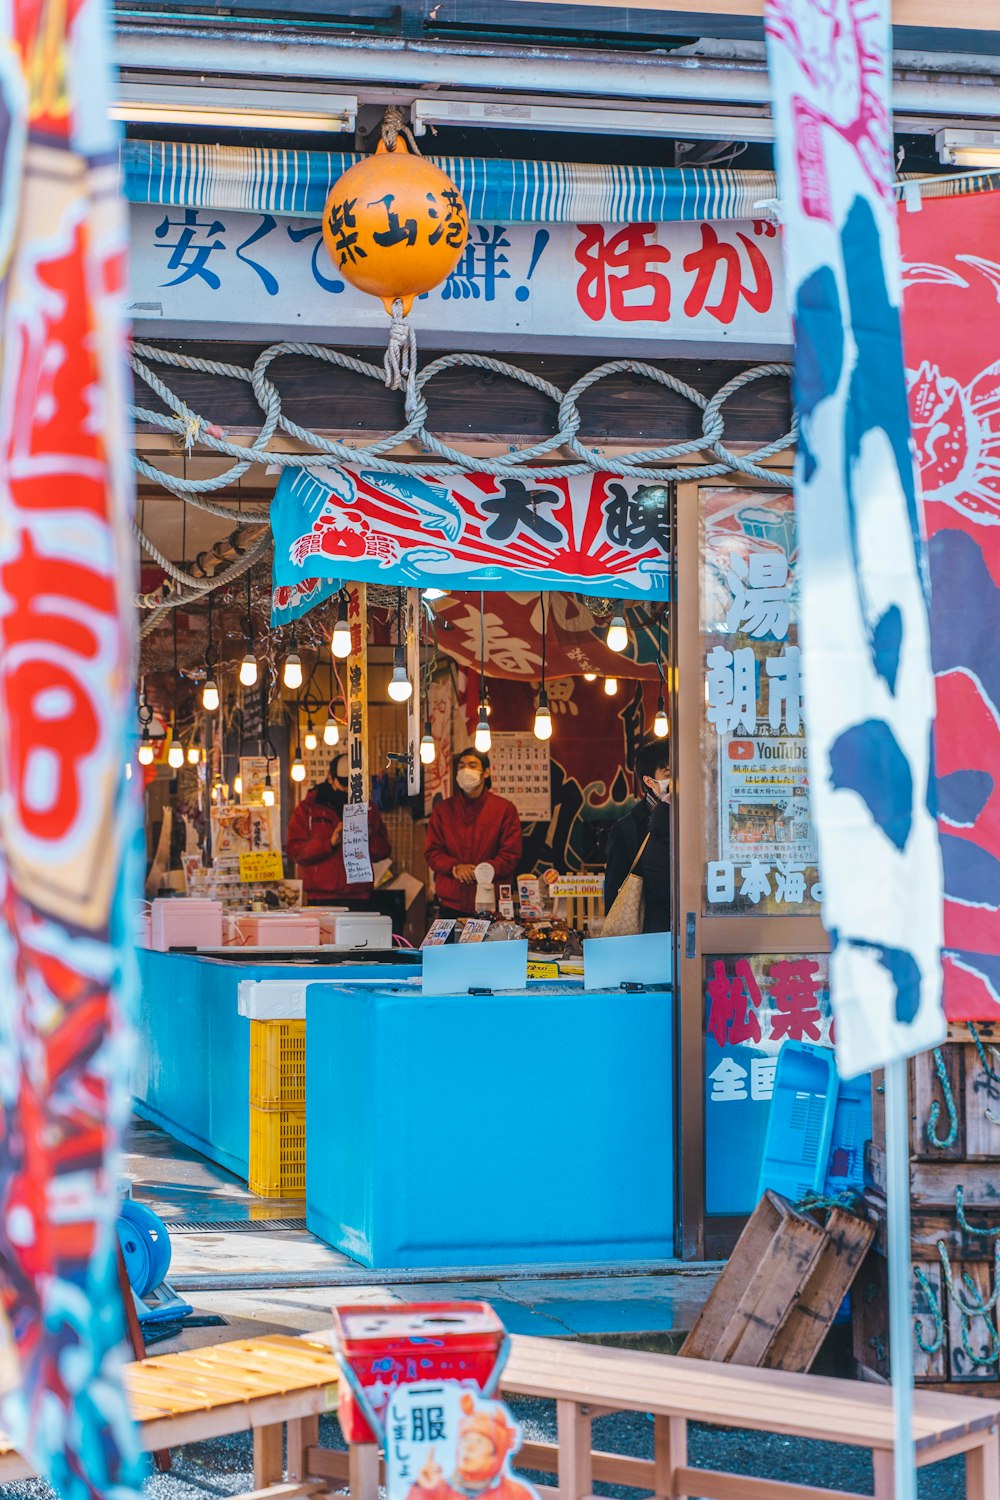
x=800 y=1125
x=852 y=1127
x=277 y=1064
x=277 y=1153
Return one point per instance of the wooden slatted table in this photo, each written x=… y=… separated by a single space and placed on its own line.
x=261 y=1386
x=588 y=1381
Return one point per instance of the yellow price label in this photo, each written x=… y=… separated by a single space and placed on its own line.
x=262 y=864
x=537 y=970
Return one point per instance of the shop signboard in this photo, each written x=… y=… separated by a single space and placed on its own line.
x=262 y=864
x=759 y=841
x=448 y=1442
x=754 y=1004
x=517 y=286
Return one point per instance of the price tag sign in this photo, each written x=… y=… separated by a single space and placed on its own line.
x=262 y=864
x=357 y=860
x=579 y=885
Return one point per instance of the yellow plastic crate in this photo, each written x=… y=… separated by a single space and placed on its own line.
x=278 y=1064
x=277 y=1153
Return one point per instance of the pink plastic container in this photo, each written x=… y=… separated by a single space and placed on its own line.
x=277 y=930
x=185 y=922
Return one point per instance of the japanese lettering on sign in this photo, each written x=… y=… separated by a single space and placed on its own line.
x=444 y=1441
x=706 y=281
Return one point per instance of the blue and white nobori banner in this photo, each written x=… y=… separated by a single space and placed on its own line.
x=290 y=601
x=865 y=636
x=591 y=534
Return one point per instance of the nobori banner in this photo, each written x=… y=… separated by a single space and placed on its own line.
x=516 y=286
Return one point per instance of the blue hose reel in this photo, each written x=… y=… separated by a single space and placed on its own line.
x=145 y=1246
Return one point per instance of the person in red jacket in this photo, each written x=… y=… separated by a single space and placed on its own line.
x=471 y=827
x=316 y=835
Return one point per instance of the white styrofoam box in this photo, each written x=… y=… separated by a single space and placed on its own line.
x=272 y=999
x=185 y=922
x=362 y=929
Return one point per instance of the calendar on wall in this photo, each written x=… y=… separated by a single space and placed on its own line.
x=521 y=769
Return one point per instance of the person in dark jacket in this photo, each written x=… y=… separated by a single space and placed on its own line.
x=472 y=827
x=651 y=815
x=316 y=835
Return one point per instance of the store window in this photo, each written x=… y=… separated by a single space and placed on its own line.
x=760 y=848
x=753 y=1005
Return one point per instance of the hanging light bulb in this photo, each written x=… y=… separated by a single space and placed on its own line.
x=292 y=673
x=175 y=755
x=193 y=754
x=310 y=740
x=340 y=641
x=543 y=718
x=483 y=740
x=267 y=795
x=237 y=785
x=611 y=686
x=428 y=749
x=431 y=594
x=210 y=696
x=400 y=687
x=661 y=724
x=617 y=637
x=590 y=676
x=248 y=670
x=146 y=751
x=298 y=770
x=331 y=731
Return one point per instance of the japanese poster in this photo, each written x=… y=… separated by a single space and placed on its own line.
x=68 y=815
x=357 y=859
x=447 y=1442
x=243 y=830
x=357 y=694
x=253 y=771
x=591 y=533
x=700 y=282
x=521 y=771
x=437 y=776
x=760 y=847
x=863 y=576
x=753 y=1006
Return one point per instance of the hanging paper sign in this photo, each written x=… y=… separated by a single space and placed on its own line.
x=594 y=533
x=865 y=636
x=357 y=859
x=447 y=1442
x=262 y=864
x=357 y=695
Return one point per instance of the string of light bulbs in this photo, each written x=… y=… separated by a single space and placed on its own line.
x=483 y=739
x=543 y=715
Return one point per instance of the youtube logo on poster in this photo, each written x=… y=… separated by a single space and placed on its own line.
x=741 y=750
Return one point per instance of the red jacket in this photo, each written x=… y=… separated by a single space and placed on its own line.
x=308 y=843
x=466 y=831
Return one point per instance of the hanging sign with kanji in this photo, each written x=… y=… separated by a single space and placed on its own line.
x=444 y=1441
x=613 y=286
x=593 y=534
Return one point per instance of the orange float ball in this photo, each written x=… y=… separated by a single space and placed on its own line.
x=395 y=225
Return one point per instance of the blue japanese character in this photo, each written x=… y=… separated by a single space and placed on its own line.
x=187 y=243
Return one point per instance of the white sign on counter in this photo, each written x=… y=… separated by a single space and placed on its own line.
x=357 y=858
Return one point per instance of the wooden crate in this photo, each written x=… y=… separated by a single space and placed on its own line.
x=762 y=1280
x=934 y=1185
x=800 y=1337
x=978 y=1136
x=950 y=1363
x=931 y=1227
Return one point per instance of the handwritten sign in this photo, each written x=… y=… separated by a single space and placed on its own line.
x=262 y=864
x=357 y=858
x=443 y=1438
x=579 y=885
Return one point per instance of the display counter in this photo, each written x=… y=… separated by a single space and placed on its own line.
x=490 y=1129
x=191 y=1056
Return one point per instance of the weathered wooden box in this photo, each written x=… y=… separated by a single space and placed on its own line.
x=974 y=1090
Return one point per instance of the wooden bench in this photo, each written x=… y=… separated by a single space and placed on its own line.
x=588 y=1381
x=266 y=1386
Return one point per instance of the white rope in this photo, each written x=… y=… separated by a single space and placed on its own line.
x=401 y=353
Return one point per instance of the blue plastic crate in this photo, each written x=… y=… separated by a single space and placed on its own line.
x=852 y=1127
x=801 y=1122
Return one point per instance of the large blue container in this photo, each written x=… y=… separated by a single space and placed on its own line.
x=474 y=1130
x=191 y=1058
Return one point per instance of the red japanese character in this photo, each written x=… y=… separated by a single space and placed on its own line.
x=629 y=253
x=706 y=261
x=794 y=990
x=734 y=1015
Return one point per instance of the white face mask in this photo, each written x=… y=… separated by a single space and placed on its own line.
x=469 y=777
x=662 y=785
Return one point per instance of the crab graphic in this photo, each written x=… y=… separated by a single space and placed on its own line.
x=333 y=536
x=956 y=430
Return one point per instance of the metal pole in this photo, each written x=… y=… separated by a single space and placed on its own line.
x=897 y=1136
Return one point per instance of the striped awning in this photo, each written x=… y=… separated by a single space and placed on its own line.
x=294 y=184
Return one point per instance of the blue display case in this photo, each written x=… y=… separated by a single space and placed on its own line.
x=513 y=1128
